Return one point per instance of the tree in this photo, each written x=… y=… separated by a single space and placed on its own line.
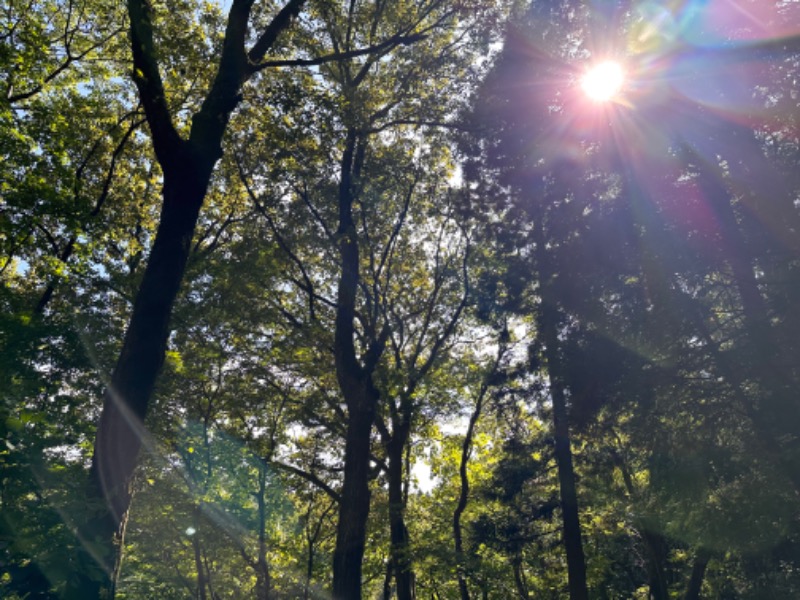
x=187 y=165
x=537 y=176
x=561 y=184
x=374 y=110
x=586 y=333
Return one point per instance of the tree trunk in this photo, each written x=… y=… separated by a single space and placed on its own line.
x=357 y=388
x=576 y=563
x=403 y=573
x=309 y=572
x=198 y=557
x=548 y=327
x=519 y=577
x=187 y=166
x=698 y=573
x=351 y=531
x=463 y=494
x=387 y=581
x=655 y=544
x=657 y=564
x=263 y=577
x=120 y=431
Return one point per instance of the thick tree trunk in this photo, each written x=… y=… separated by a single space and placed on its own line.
x=187 y=166
x=119 y=434
x=120 y=431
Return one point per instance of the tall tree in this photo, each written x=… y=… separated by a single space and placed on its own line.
x=515 y=111
x=374 y=112
x=187 y=164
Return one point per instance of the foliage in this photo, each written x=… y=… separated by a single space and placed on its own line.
x=520 y=252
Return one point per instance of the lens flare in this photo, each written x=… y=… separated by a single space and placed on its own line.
x=603 y=81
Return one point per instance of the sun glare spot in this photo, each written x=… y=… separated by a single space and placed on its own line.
x=603 y=81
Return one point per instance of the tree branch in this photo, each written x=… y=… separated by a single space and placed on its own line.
x=147 y=77
x=281 y=21
x=456 y=126
x=310 y=477
x=397 y=40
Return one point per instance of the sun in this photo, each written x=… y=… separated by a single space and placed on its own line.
x=603 y=81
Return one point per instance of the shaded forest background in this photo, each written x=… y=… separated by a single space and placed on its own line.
x=366 y=299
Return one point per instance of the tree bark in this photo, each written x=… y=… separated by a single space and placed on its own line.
x=463 y=494
x=576 y=563
x=657 y=564
x=519 y=577
x=351 y=531
x=387 y=581
x=202 y=584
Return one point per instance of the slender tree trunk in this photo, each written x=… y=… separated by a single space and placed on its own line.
x=401 y=561
x=548 y=326
x=354 y=507
x=519 y=577
x=463 y=497
x=656 y=547
x=312 y=536
x=263 y=577
x=358 y=390
x=655 y=543
x=695 y=584
x=309 y=572
x=463 y=494
x=198 y=558
x=576 y=563
x=387 y=581
x=463 y=476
